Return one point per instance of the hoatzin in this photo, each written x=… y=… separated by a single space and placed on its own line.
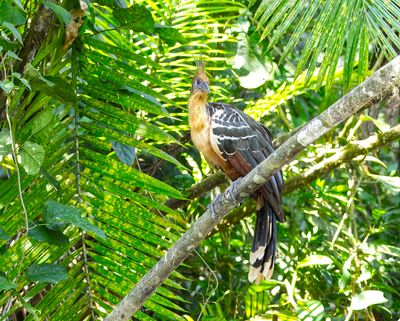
x=232 y=141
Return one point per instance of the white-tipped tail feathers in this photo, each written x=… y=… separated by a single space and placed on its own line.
x=262 y=255
x=256 y=275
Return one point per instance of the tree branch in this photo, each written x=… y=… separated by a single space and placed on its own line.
x=35 y=36
x=377 y=86
x=199 y=189
x=343 y=155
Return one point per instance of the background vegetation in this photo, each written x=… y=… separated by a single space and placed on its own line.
x=94 y=141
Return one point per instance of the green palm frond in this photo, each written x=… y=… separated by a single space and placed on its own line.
x=337 y=33
x=100 y=102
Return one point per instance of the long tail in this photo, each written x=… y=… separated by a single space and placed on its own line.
x=262 y=256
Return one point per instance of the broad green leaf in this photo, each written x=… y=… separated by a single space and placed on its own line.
x=136 y=17
x=56 y=213
x=367 y=298
x=33 y=73
x=47 y=273
x=12 y=54
x=13 y=30
x=3 y=235
x=6 y=284
x=7 y=86
x=32 y=156
x=169 y=34
x=315 y=260
x=43 y=234
x=125 y=153
x=55 y=87
x=11 y=14
x=40 y=121
x=62 y=14
x=5 y=142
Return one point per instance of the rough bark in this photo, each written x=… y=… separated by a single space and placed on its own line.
x=35 y=36
x=379 y=85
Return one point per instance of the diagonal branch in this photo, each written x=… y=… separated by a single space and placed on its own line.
x=379 y=85
x=343 y=156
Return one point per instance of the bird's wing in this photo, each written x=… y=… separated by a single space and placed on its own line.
x=245 y=143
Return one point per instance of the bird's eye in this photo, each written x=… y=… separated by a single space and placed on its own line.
x=198 y=81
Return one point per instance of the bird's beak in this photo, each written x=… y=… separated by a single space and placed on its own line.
x=203 y=86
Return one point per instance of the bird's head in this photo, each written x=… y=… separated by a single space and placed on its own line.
x=200 y=81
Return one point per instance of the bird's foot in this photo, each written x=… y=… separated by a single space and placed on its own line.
x=233 y=193
x=211 y=207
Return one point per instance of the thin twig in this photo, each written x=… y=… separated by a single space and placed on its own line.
x=14 y=156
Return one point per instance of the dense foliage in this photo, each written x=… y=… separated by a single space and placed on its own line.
x=94 y=145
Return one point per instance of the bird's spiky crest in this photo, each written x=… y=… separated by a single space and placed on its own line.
x=201 y=70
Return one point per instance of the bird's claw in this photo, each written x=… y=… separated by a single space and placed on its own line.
x=211 y=207
x=232 y=191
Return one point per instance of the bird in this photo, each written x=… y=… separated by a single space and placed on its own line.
x=232 y=141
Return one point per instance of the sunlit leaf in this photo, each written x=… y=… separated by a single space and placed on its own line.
x=136 y=17
x=56 y=213
x=32 y=156
x=381 y=125
x=315 y=260
x=367 y=298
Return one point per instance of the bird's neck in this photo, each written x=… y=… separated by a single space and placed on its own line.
x=198 y=113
